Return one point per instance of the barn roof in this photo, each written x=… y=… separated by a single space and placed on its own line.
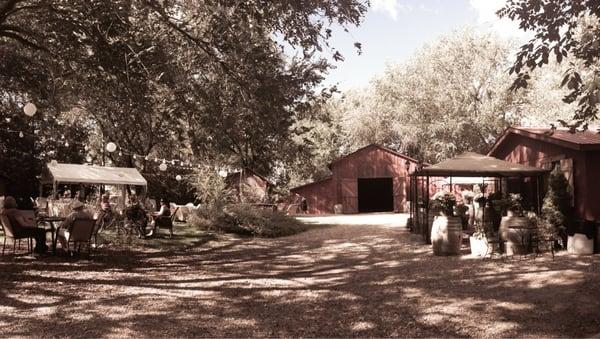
x=234 y=175
x=311 y=183
x=383 y=148
x=578 y=140
x=91 y=174
x=471 y=164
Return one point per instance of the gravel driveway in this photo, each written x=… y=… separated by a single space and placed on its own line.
x=333 y=281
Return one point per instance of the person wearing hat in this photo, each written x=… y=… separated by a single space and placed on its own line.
x=62 y=234
x=23 y=226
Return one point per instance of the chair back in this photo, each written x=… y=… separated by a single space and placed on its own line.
x=174 y=213
x=42 y=203
x=8 y=230
x=82 y=230
x=28 y=214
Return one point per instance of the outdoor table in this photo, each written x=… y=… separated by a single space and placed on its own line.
x=53 y=228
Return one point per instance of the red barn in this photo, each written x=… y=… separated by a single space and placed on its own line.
x=577 y=154
x=371 y=179
x=255 y=187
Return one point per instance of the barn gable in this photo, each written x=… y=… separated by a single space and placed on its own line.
x=371 y=179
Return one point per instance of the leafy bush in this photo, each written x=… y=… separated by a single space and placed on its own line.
x=446 y=201
x=246 y=219
x=556 y=209
x=212 y=191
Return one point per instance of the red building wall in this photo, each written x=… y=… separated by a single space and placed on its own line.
x=342 y=188
x=586 y=168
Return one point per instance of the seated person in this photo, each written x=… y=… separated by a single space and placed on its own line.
x=161 y=218
x=62 y=234
x=136 y=215
x=24 y=226
x=105 y=215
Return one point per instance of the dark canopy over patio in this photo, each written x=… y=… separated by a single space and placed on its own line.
x=471 y=164
x=468 y=164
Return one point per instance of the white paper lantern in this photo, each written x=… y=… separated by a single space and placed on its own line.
x=21 y=134
x=178 y=177
x=162 y=167
x=29 y=109
x=111 y=147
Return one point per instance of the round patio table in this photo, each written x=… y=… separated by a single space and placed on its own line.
x=53 y=228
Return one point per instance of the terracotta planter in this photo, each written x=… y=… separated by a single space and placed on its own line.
x=446 y=235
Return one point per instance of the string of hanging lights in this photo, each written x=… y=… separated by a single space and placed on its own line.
x=30 y=110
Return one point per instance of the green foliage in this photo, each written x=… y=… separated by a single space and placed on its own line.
x=556 y=209
x=212 y=191
x=563 y=29
x=445 y=200
x=246 y=219
x=515 y=202
x=174 y=79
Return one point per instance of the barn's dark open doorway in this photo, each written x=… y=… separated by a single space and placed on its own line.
x=375 y=195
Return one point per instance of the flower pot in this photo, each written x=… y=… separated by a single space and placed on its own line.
x=446 y=235
x=580 y=244
x=517 y=232
x=480 y=246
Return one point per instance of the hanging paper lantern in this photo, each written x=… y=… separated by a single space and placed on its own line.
x=134 y=157
x=67 y=144
x=111 y=147
x=178 y=177
x=88 y=158
x=21 y=134
x=120 y=153
x=29 y=109
x=162 y=167
x=173 y=162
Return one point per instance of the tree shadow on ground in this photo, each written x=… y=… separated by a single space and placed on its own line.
x=341 y=281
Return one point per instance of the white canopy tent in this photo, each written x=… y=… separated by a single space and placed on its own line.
x=56 y=173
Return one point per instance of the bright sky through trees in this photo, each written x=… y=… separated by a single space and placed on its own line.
x=394 y=29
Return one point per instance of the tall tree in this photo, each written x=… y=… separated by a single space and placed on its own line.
x=451 y=97
x=565 y=28
x=141 y=72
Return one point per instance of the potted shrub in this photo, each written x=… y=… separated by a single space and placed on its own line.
x=446 y=230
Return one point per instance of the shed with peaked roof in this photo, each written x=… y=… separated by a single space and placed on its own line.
x=577 y=153
x=371 y=179
x=249 y=185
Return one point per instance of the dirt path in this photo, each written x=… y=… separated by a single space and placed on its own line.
x=340 y=281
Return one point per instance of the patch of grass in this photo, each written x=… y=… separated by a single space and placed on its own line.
x=184 y=236
x=245 y=219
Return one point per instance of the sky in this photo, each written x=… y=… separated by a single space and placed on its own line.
x=393 y=30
